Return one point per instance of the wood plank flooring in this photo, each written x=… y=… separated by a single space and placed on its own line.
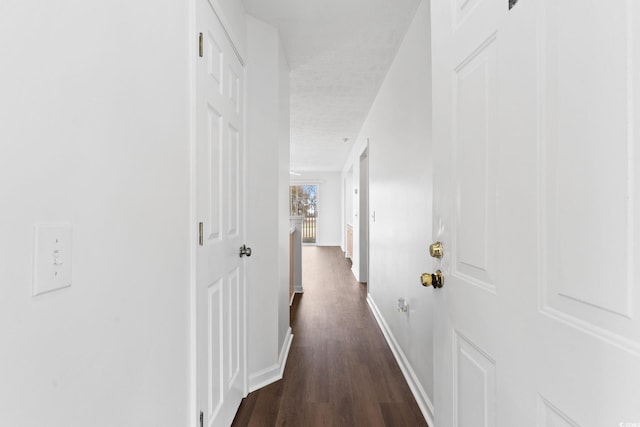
x=340 y=370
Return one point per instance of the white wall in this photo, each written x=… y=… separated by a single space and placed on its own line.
x=399 y=131
x=94 y=131
x=267 y=202
x=329 y=205
x=283 y=194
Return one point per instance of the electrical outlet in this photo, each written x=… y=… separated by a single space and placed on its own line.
x=403 y=307
x=52 y=257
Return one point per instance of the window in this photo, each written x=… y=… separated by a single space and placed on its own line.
x=304 y=202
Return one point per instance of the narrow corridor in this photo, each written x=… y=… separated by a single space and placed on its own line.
x=340 y=370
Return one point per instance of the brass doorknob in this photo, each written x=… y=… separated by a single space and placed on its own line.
x=435 y=250
x=436 y=279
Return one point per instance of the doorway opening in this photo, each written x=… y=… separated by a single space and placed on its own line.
x=304 y=203
x=363 y=201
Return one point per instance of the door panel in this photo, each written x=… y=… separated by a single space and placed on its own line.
x=588 y=192
x=214 y=348
x=585 y=212
x=214 y=58
x=213 y=186
x=233 y=191
x=535 y=201
x=220 y=287
x=474 y=385
x=234 y=85
x=233 y=325
x=474 y=137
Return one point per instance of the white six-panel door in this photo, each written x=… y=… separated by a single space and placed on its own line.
x=536 y=186
x=220 y=287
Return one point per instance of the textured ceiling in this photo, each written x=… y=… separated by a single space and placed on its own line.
x=339 y=52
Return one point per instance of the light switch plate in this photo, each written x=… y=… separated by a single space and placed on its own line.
x=52 y=257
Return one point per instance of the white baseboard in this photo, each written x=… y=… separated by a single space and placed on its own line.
x=273 y=373
x=355 y=273
x=425 y=404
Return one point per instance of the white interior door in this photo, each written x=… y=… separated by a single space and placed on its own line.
x=536 y=192
x=220 y=288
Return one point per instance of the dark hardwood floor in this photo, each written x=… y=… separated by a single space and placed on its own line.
x=340 y=370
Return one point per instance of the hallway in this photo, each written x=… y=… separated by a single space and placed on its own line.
x=340 y=370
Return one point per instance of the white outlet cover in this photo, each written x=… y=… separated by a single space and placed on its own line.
x=52 y=257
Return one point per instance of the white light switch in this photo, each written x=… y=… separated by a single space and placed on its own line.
x=52 y=257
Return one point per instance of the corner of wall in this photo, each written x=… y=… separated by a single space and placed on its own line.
x=283 y=192
x=268 y=166
x=424 y=403
x=273 y=373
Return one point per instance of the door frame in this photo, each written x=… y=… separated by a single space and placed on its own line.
x=192 y=64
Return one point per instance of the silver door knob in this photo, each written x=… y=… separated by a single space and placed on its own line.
x=244 y=250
